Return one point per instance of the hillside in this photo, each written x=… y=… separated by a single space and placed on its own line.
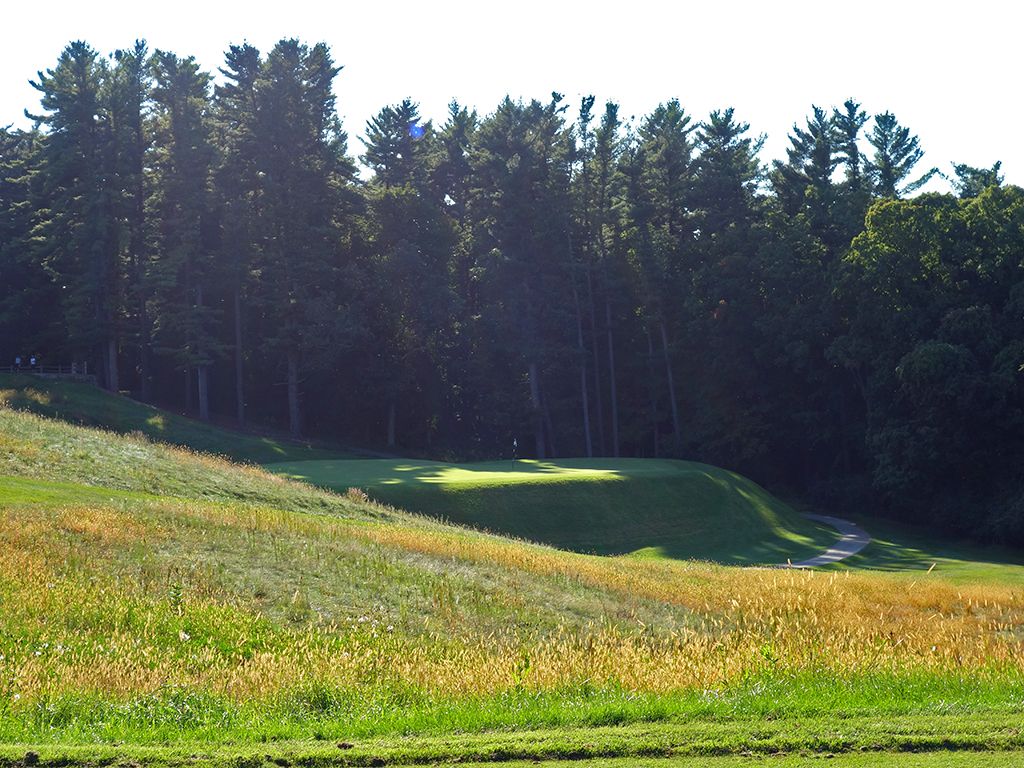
x=79 y=403
x=156 y=596
x=650 y=508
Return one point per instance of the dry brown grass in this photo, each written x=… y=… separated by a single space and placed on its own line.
x=86 y=629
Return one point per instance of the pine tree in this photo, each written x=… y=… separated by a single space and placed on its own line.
x=76 y=235
x=896 y=153
x=521 y=199
x=971 y=182
x=182 y=265
x=305 y=174
x=238 y=185
x=28 y=322
x=412 y=239
x=804 y=183
x=126 y=94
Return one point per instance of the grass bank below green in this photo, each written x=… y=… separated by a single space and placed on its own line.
x=642 y=507
x=87 y=405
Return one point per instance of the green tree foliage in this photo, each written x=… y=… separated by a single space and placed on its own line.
x=520 y=199
x=803 y=183
x=303 y=173
x=28 y=323
x=413 y=239
x=77 y=226
x=896 y=152
x=182 y=268
x=586 y=286
x=936 y=345
x=969 y=181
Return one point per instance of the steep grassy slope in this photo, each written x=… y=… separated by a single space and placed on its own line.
x=653 y=508
x=84 y=404
x=151 y=595
x=160 y=606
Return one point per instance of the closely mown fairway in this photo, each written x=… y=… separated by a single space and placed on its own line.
x=164 y=607
x=645 y=507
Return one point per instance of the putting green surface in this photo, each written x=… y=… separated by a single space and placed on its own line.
x=642 y=507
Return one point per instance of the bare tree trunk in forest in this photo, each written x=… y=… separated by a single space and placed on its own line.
x=549 y=425
x=652 y=389
x=189 y=399
x=203 y=386
x=202 y=371
x=597 y=364
x=671 y=384
x=535 y=411
x=145 y=354
x=611 y=377
x=294 y=416
x=239 y=381
x=111 y=355
x=583 y=357
x=391 y=424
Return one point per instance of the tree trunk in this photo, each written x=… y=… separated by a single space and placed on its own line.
x=549 y=426
x=584 y=400
x=294 y=416
x=611 y=378
x=598 y=396
x=145 y=356
x=189 y=399
x=203 y=386
x=535 y=411
x=671 y=385
x=112 y=381
x=202 y=370
x=391 y=424
x=652 y=390
x=239 y=381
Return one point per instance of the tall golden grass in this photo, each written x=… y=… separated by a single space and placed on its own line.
x=80 y=625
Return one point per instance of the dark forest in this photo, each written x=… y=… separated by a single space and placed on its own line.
x=547 y=272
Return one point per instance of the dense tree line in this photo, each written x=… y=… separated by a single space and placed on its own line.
x=547 y=272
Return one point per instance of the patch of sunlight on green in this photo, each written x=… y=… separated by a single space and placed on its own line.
x=157 y=421
x=649 y=553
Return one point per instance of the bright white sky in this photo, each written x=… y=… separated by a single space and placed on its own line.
x=948 y=70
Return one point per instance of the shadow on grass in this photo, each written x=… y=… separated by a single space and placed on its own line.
x=897 y=546
x=640 y=507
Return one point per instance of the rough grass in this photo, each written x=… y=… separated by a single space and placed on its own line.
x=87 y=405
x=648 y=508
x=32 y=446
x=154 y=596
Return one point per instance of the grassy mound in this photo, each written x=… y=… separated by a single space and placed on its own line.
x=87 y=405
x=160 y=605
x=652 y=508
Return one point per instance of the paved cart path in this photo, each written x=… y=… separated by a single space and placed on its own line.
x=852 y=540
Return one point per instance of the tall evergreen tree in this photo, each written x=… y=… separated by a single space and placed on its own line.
x=803 y=183
x=126 y=94
x=969 y=181
x=896 y=152
x=301 y=154
x=182 y=265
x=76 y=233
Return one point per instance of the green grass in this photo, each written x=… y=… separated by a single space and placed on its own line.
x=46 y=449
x=84 y=404
x=899 y=548
x=643 y=507
x=911 y=741
x=162 y=607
